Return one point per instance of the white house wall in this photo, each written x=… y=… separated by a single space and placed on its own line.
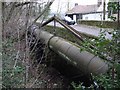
x=101 y=6
x=74 y=18
x=95 y=16
x=98 y=16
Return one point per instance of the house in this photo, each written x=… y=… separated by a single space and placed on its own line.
x=88 y=12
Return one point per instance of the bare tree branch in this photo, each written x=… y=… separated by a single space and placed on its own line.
x=22 y=4
x=49 y=4
x=10 y=12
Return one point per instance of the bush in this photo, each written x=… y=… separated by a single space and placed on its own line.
x=109 y=50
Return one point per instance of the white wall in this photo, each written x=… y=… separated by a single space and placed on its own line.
x=95 y=16
x=74 y=18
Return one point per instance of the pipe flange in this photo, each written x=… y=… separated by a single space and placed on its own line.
x=49 y=42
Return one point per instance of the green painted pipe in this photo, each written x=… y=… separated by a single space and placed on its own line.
x=85 y=61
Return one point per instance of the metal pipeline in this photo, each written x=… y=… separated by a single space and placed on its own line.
x=85 y=61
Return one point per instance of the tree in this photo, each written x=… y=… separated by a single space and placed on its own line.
x=17 y=18
x=113 y=8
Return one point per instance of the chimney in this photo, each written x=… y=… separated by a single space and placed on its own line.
x=99 y=3
x=76 y=4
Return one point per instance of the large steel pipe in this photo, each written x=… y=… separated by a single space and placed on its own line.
x=85 y=61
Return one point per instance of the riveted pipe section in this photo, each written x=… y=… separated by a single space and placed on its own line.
x=85 y=61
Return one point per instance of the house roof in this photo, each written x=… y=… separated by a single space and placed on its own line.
x=83 y=9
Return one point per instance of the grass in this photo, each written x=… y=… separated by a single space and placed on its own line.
x=104 y=24
x=63 y=33
x=11 y=76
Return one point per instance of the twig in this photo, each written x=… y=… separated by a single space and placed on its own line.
x=49 y=4
x=37 y=77
x=22 y=4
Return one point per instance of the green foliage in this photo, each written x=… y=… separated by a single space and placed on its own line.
x=12 y=75
x=105 y=48
x=81 y=87
x=109 y=50
x=111 y=79
x=77 y=87
x=106 y=24
x=113 y=8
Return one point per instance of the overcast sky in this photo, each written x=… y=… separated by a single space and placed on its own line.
x=62 y=5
